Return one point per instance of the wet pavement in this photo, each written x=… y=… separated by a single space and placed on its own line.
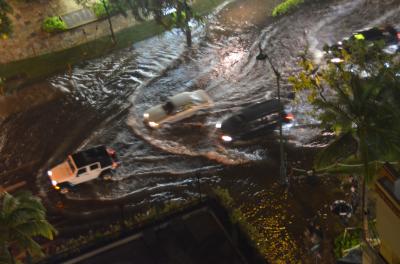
x=102 y=102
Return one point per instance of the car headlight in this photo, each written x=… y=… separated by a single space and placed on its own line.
x=226 y=138
x=146 y=115
x=49 y=173
x=153 y=124
x=337 y=60
x=54 y=183
x=218 y=125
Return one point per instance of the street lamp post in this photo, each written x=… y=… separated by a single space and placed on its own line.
x=282 y=166
x=198 y=185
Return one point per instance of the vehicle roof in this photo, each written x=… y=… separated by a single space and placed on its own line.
x=188 y=97
x=251 y=113
x=92 y=155
x=260 y=109
x=375 y=33
x=157 y=112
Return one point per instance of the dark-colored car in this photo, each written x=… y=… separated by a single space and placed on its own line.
x=389 y=35
x=253 y=121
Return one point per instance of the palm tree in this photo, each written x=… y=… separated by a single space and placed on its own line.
x=22 y=218
x=367 y=126
x=360 y=106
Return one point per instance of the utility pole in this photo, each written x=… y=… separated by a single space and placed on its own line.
x=282 y=165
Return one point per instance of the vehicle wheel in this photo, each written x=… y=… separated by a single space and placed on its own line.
x=64 y=190
x=107 y=176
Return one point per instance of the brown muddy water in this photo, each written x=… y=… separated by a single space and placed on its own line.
x=103 y=100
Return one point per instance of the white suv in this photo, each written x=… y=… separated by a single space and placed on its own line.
x=83 y=166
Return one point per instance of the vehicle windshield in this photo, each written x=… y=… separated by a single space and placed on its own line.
x=197 y=99
x=168 y=107
x=71 y=166
x=238 y=119
x=267 y=119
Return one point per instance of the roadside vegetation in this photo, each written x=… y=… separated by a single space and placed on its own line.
x=22 y=219
x=238 y=217
x=285 y=7
x=5 y=22
x=111 y=231
x=349 y=239
x=169 y=14
x=54 y=24
x=358 y=100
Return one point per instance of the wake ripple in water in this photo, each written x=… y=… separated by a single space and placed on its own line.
x=223 y=63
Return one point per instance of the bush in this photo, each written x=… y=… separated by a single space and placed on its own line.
x=223 y=196
x=348 y=239
x=238 y=217
x=54 y=24
x=285 y=7
x=113 y=8
x=99 y=9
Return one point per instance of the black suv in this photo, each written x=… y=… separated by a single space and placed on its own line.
x=253 y=121
x=389 y=35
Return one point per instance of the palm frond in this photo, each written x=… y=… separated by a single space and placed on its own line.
x=338 y=150
x=22 y=218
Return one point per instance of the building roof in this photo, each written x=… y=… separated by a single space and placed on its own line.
x=199 y=234
x=386 y=187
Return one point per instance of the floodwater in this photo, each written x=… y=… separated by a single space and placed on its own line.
x=102 y=102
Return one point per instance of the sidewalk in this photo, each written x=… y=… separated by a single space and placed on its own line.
x=27 y=38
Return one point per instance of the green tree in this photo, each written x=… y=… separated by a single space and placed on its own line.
x=358 y=99
x=180 y=17
x=22 y=218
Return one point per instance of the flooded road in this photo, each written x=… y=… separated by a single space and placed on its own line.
x=102 y=102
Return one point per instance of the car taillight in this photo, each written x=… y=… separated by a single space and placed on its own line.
x=289 y=117
x=398 y=36
x=111 y=152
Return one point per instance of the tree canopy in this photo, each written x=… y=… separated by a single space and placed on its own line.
x=358 y=99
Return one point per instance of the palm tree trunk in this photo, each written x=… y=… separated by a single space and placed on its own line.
x=364 y=197
x=109 y=22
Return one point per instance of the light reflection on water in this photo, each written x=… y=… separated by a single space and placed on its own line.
x=222 y=62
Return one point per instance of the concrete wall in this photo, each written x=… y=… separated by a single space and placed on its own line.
x=28 y=39
x=31 y=54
